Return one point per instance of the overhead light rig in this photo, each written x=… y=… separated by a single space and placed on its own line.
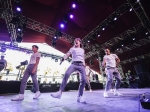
x=141 y=14
x=99 y=49
x=108 y=21
x=135 y=58
x=7 y=14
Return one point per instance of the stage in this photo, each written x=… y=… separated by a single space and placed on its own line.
x=95 y=102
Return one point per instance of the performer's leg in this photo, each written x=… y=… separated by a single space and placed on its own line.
x=23 y=85
x=64 y=81
x=118 y=82
x=70 y=70
x=81 y=69
x=35 y=82
x=88 y=82
x=109 y=81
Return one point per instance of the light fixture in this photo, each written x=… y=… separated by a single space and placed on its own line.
x=88 y=41
x=62 y=25
x=133 y=39
x=98 y=35
x=18 y=9
x=146 y=33
x=71 y=16
x=130 y=9
x=115 y=19
x=122 y=45
x=74 y=5
x=103 y=28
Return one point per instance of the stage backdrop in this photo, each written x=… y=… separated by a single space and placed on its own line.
x=47 y=66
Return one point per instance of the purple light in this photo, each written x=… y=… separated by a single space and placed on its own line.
x=71 y=16
x=73 y=5
x=62 y=25
x=18 y=9
x=55 y=37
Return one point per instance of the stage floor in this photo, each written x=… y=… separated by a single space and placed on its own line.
x=95 y=102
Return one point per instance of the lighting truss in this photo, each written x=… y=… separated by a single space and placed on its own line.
x=39 y=27
x=7 y=14
x=121 y=10
x=139 y=11
x=23 y=49
x=98 y=49
x=136 y=44
x=135 y=58
x=30 y=23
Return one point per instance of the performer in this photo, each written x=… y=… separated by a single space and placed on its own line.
x=3 y=63
x=78 y=64
x=88 y=71
x=110 y=62
x=30 y=71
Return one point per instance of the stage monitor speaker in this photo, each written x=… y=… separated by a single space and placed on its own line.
x=9 y=87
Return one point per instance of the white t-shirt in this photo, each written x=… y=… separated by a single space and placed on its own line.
x=77 y=54
x=33 y=57
x=87 y=70
x=110 y=60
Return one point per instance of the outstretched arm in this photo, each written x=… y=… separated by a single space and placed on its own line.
x=67 y=55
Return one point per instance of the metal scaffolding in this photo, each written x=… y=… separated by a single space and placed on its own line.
x=136 y=44
x=7 y=14
x=115 y=40
x=140 y=12
x=135 y=58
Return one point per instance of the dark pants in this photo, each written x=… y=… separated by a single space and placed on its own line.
x=28 y=72
x=72 y=68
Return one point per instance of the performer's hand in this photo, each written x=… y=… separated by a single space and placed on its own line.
x=33 y=71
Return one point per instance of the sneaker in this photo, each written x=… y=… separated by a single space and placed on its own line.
x=37 y=94
x=105 y=94
x=90 y=90
x=116 y=93
x=80 y=100
x=18 y=98
x=56 y=95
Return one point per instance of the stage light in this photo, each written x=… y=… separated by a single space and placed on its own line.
x=133 y=39
x=130 y=9
x=138 y=0
x=88 y=41
x=71 y=16
x=19 y=29
x=146 y=33
x=117 y=49
x=103 y=28
x=62 y=25
x=122 y=45
x=73 y=5
x=18 y=9
x=55 y=37
x=98 y=35
x=115 y=19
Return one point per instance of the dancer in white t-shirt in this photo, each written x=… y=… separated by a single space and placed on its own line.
x=30 y=71
x=110 y=62
x=78 y=64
